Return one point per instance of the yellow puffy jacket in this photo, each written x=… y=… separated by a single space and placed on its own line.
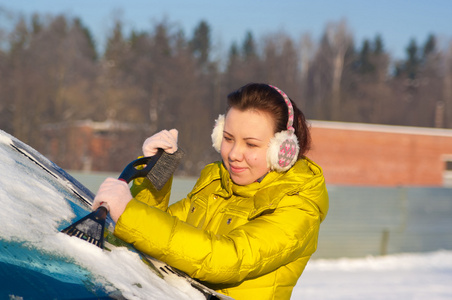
x=247 y=242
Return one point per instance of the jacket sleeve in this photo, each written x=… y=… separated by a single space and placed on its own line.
x=260 y=246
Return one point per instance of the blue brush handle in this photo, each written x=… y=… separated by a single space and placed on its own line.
x=131 y=172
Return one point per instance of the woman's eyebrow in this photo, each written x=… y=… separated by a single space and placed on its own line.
x=246 y=138
x=252 y=138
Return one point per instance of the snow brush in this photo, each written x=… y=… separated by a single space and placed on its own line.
x=158 y=169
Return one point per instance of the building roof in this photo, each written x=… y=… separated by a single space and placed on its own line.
x=382 y=128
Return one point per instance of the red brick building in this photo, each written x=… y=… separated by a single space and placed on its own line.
x=382 y=155
x=92 y=146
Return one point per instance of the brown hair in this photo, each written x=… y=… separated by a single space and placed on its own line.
x=263 y=97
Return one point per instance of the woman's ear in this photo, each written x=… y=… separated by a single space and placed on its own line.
x=217 y=133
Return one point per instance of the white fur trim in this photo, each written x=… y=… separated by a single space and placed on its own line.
x=217 y=133
x=274 y=148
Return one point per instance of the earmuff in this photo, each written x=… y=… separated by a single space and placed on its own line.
x=283 y=148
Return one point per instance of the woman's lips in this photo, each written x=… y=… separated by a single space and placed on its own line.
x=236 y=169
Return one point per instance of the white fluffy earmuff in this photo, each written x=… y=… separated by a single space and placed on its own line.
x=217 y=133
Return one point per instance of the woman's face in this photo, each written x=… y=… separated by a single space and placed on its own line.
x=245 y=142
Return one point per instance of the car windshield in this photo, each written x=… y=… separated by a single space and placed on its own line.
x=36 y=259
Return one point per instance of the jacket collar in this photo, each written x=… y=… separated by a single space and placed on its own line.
x=266 y=194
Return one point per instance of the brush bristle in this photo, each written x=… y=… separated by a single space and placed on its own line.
x=164 y=168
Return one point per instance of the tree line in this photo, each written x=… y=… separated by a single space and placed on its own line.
x=52 y=74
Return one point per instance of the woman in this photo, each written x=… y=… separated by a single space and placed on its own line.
x=251 y=222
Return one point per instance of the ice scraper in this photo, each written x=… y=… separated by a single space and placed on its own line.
x=158 y=169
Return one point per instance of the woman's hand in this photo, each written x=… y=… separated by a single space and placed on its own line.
x=165 y=139
x=116 y=194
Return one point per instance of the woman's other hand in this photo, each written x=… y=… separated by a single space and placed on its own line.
x=165 y=139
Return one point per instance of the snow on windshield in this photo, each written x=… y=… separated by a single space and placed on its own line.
x=32 y=210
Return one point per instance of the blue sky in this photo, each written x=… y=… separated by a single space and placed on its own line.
x=397 y=21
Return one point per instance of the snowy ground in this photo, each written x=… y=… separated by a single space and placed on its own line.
x=402 y=276
x=33 y=215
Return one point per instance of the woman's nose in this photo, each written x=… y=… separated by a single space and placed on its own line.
x=236 y=153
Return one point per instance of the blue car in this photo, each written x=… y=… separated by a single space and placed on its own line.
x=37 y=261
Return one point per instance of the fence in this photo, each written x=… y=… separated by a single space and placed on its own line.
x=377 y=221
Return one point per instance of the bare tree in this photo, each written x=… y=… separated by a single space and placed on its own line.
x=326 y=74
x=340 y=41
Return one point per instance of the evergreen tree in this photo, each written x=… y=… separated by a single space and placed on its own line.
x=200 y=43
x=365 y=64
x=249 y=46
x=88 y=37
x=429 y=47
x=378 y=48
x=116 y=45
x=412 y=62
x=234 y=52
